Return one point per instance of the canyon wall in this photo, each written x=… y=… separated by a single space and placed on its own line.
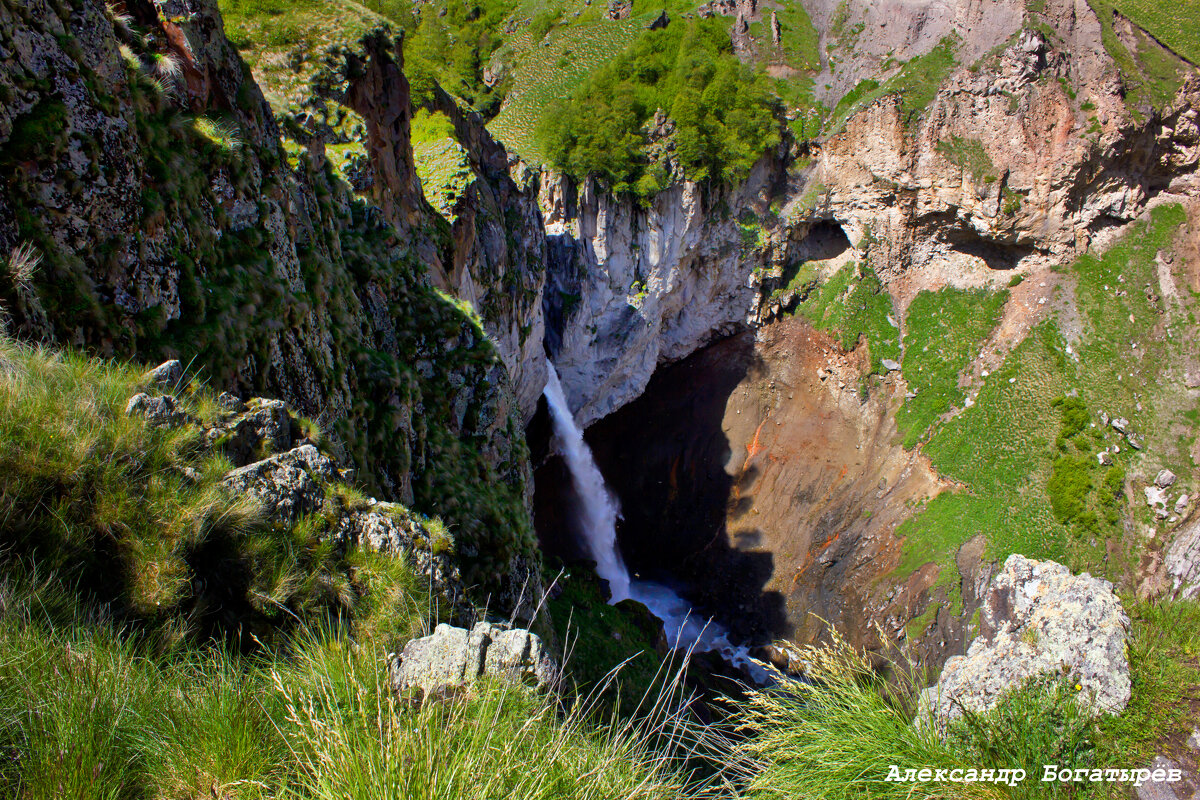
x=165 y=217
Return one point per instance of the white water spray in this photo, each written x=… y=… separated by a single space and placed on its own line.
x=599 y=512
x=598 y=508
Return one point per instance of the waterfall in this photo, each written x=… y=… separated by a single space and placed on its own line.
x=598 y=510
x=598 y=515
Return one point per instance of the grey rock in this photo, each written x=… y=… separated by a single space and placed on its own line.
x=1105 y=458
x=1165 y=479
x=160 y=412
x=1156 y=498
x=1181 y=504
x=1038 y=619
x=166 y=375
x=451 y=657
x=264 y=429
x=393 y=530
x=288 y=485
x=889 y=365
x=1161 y=790
x=1120 y=424
x=230 y=403
x=1182 y=561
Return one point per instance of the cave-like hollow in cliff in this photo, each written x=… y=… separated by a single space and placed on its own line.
x=666 y=455
x=762 y=478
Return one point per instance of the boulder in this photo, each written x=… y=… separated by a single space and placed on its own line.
x=1165 y=479
x=162 y=411
x=1038 y=619
x=452 y=657
x=890 y=365
x=289 y=485
x=166 y=375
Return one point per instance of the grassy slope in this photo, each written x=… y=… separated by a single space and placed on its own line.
x=1175 y=24
x=1004 y=449
x=550 y=68
x=854 y=304
x=111 y=685
x=945 y=329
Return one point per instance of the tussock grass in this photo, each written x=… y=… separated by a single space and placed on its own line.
x=840 y=733
x=92 y=710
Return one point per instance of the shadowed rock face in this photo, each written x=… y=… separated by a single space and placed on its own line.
x=754 y=473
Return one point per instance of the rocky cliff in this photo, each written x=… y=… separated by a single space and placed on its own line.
x=144 y=172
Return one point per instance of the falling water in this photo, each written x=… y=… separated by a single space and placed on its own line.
x=599 y=512
x=598 y=507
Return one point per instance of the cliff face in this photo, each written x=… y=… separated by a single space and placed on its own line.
x=143 y=166
x=767 y=470
x=633 y=287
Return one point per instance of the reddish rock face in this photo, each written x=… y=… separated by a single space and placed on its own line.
x=756 y=473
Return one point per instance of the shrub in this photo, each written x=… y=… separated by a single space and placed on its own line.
x=723 y=112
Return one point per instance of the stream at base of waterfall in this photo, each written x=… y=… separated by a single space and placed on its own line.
x=598 y=513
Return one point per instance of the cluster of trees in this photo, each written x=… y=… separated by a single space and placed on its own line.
x=723 y=111
x=452 y=48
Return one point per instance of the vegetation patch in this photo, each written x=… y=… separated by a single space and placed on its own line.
x=944 y=331
x=722 y=112
x=969 y=156
x=854 y=305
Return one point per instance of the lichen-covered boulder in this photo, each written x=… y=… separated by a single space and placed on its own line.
x=452 y=657
x=166 y=375
x=288 y=485
x=1038 y=619
x=160 y=412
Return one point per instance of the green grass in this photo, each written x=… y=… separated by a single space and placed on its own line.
x=137 y=516
x=1177 y=25
x=1151 y=73
x=442 y=163
x=968 y=155
x=839 y=734
x=1028 y=487
x=916 y=84
x=944 y=332
x=551 y=70
x=89 y=711
x=853 y=304
x=160 y=638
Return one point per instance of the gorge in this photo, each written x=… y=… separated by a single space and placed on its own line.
x=793 y=323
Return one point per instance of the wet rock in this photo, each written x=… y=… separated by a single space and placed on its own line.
x=160 y=412
x=1038 y=619
x=1164 y=479
x=452 y=657
x=166 y=375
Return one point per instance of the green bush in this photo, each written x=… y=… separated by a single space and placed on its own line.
x=723 y=112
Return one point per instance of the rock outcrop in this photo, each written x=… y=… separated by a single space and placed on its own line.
x=289 y=477
x=451 y=657
x=1037 y=619
x=631 y=288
